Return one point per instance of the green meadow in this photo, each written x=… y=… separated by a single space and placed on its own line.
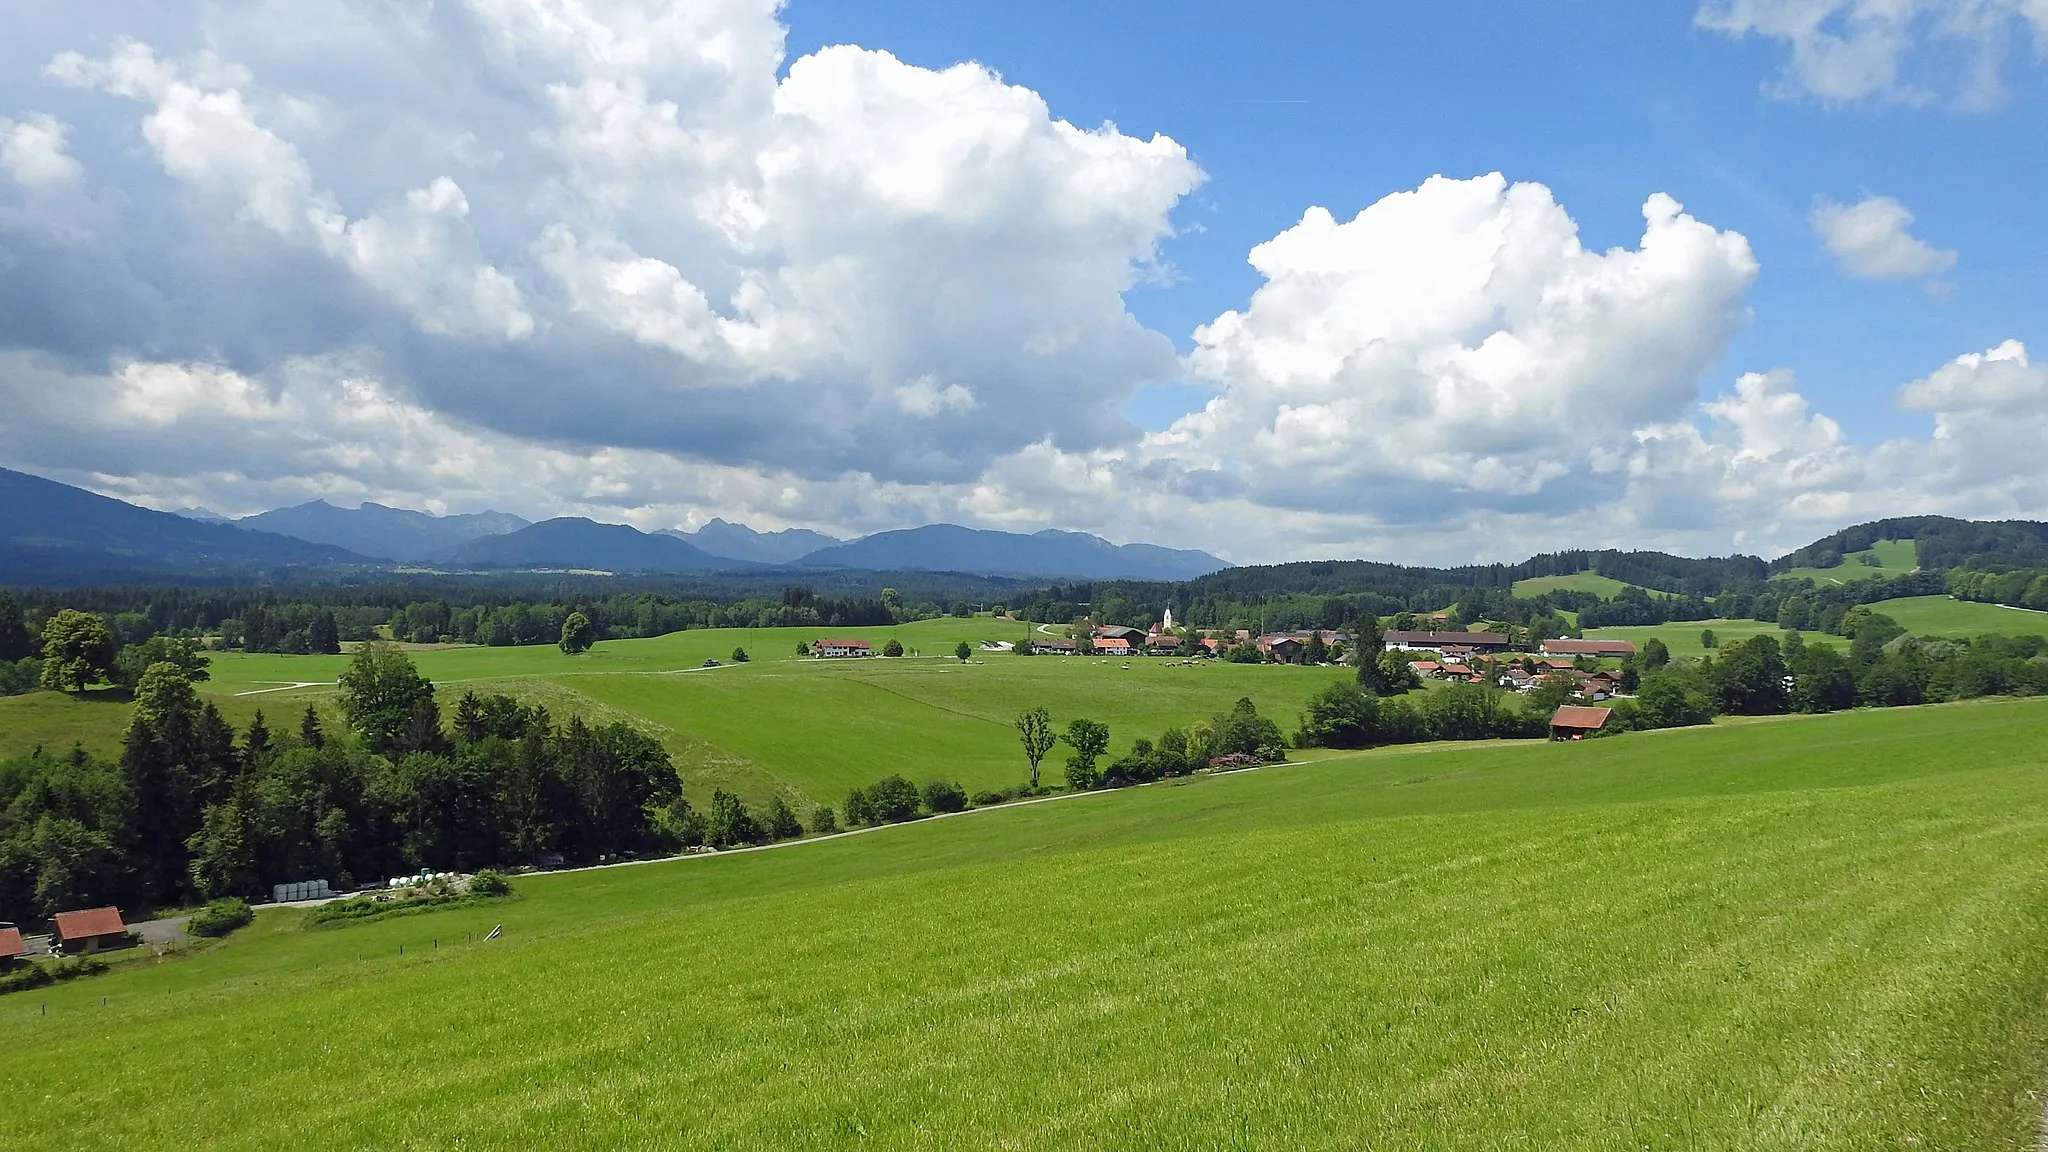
x=1885 y=558
x=1683 y=637
x=1920 y=615
x=1813 y=933
x=1606 y=587
x=810 y=729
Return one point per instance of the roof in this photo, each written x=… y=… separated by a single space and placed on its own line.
x=10 y=943
x=1112 y=642
x=1164 y=641
x=1050 y=642
x=1424 y=665
x=842 y=644
x=1473 y=639
x=1588 y=647
x=90 y=922
x=1580 y=716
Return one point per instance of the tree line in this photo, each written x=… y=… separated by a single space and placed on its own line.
x=191 y=810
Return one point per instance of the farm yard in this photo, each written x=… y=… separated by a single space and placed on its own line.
x=1815 y=933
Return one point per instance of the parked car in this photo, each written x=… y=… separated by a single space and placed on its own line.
x=711 y=664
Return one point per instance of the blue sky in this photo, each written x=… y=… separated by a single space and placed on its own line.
x=1603 y=102
x=1182 y=273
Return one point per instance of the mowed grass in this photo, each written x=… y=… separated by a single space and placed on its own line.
x=1826 y=933
x=808 y=729
x=1894 y=558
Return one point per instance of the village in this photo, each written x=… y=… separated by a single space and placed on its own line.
x=1595 y=670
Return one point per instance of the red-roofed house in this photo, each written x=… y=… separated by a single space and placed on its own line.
x=11 y=947
x=91 y=930
x=1112 y=646
x=1588 y=648
x=1576 y=721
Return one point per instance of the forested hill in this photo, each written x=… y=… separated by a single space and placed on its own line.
x=1939 y=541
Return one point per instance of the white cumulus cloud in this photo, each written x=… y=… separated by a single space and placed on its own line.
x=32 y=151
x=1872 y=239
x=1912 y=51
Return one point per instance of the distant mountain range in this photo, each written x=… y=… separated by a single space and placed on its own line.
x=50 y=531
x=739 y=542
x=384 y=533
x=574 y=542
x=54 y=533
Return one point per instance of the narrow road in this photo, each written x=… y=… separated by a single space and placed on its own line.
x=284 y=686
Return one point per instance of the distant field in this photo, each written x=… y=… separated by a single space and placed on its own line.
x=1920 y=615
x=1605 y=587
x=809 y=728
x=1945 y=616
x=1894 y=558
x=1815 y=933
x=1683 y=639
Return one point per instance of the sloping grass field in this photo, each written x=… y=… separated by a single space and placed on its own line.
x=1893 y=558
x=1920 y=615
x=809 y=729
x=1825 y=933
x=1605 y=587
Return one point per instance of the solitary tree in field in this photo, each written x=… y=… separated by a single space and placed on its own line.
x=962 y=651
x=1708 y=639
x=77 y=650
x=578 y=634
x=1089 y=741
x=739 y=656
x=1034 y=730
x=893 y=648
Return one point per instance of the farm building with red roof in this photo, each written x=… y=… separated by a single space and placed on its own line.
x=1574 y=721
x=90 y=930
x=1588 y=648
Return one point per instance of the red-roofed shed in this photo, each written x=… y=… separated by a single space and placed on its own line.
x=11 y=947
x=90 y=930
x=1576 y=721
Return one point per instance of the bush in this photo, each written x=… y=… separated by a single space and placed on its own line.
x=892 y=648
x=944 y=796
x=39 y=975
x=490 y=882
x=739 y=656
x=823 y=823
x=989 y=796
x=892 y=800
x=221 y=917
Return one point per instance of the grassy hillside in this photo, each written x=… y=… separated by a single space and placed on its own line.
x=1944 y=616
x=1605 y=587
x=1894 y=558
x=1920 y=615
x=1821 y=933
x=810 y=728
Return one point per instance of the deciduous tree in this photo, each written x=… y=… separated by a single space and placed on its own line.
x=77 y=650
x=1034 y=731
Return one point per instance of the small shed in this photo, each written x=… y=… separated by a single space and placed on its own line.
x=11 y=947
x=90 y=930
x=1576 y=721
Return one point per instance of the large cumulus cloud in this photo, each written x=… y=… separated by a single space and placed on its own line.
x=603 y=223
x=622 y=258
